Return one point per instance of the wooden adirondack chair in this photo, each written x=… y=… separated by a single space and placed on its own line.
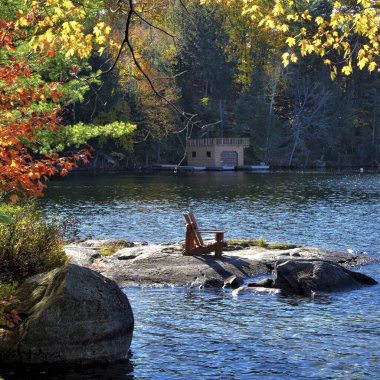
x=194 y=244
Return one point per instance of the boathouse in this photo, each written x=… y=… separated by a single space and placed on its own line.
x=217 y=152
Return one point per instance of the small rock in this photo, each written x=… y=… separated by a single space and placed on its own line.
x=204 y=282
x=126 y=257
x=265 y=283
x=295 y=254
x=232 y=282
x=240 y=290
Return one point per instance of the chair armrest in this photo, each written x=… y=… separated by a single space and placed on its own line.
x=212 y=231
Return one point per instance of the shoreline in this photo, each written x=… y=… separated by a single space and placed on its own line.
x=273 y=169
x=163 y=264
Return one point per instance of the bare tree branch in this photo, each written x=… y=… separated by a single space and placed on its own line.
x=153 y=26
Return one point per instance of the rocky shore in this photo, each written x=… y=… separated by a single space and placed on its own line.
x=74 y=315
x=143 y=264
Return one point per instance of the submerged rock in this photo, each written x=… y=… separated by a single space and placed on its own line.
x=204 y=282
x=309 y=276
x=265 y=283
x=233 y=282
x=71 y=315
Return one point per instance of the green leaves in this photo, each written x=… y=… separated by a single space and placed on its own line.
x=4 y=219
x=80 y=134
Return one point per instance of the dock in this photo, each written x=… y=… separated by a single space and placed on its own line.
x=191 y=168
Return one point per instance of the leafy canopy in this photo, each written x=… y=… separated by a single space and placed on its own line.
x=31 y=98
x=345 y=33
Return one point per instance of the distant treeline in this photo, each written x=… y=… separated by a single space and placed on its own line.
x=229 y=79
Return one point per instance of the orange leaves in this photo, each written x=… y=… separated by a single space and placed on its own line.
x=14 y=198
x=54 y=96
x=22 y=171
x=8 y=319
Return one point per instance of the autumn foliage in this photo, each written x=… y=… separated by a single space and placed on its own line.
x=22 y=115
x=345 y=33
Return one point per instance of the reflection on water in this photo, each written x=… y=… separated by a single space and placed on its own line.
x=122 y=370
x=325 y=210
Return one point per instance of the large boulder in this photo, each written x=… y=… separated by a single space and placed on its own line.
x=308 y=276
x=71 y=315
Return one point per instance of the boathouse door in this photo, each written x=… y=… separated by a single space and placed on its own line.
x=229 y=158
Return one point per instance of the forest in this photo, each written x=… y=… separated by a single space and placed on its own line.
x=124 y=84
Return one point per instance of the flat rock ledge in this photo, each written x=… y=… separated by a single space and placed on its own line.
x=164 y=265
x=70 y=316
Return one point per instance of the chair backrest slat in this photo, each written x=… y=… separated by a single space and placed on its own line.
x=190 y=220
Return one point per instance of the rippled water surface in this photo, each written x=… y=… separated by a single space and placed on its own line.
x=325 y=210
x=201 y=334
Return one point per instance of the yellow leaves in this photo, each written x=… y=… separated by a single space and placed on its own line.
x=97 y=30
x=372 y=66
x=68 y=4
x=48 y=36
x=278 y=9
x=66 y=27
x=347 y=70
x=8 y=114
x=61 y=29
x=292 y=17
x=362 y=62
x=22 y=21
x=291 y=41
x=364 y=3
x=306 y=15
x=289 y=57
x=319 y=20
x=285 y=59
x=101 y=31
x=306 y=47
x=337 y=30
x=70 y=53
x=293 y=58
x=81 y=13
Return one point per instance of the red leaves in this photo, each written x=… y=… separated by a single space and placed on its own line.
x=21 y=171
x=8 y=319
x=54 y=97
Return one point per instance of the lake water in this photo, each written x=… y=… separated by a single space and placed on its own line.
x=325 y=210
x=202 y=334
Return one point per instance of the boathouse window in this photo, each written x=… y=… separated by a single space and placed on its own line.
x=208 y=154
x=193 y=154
